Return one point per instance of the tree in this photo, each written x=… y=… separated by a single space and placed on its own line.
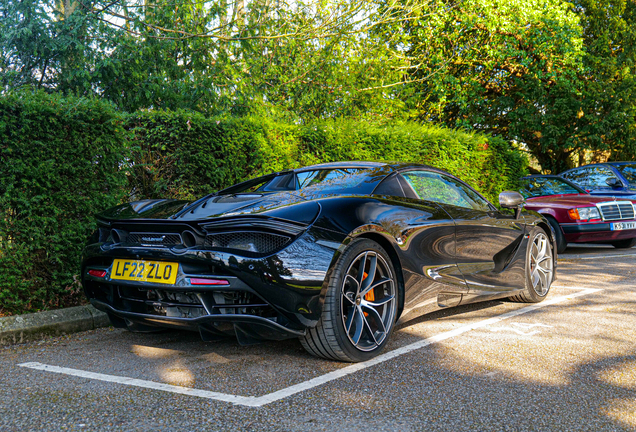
x=608 y=80
x=303 y=60
x=499 y=66
x=52 y=45
x=552 y=77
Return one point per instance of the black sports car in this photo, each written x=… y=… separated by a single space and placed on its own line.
x=332 y=254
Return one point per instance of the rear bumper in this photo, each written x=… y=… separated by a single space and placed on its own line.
x=274 y=297
x=246 y=328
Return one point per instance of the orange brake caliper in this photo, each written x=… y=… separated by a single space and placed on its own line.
x=370 y=296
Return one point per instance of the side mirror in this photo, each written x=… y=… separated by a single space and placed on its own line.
x=614 y=182
x=512 y=200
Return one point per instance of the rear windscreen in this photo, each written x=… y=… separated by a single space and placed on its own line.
x=319 y=181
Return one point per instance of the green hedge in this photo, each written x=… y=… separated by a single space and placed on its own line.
x=64 y=159
x=60 y=163
x=185 y=155
x=487 y=163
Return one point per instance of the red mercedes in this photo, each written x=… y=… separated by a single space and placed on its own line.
x=578 y=217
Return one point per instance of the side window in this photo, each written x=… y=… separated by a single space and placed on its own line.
x=443 y=189
x=304 y=178
x=578 y=176
x=599 y=175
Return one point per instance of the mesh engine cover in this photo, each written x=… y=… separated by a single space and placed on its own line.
x=254 y=242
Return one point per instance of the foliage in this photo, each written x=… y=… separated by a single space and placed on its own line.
x=185 y=155
x=608 y=100
x=54 y=44
x=303 y=60
x=551 y=75
x=554 y=76
x=487 y=163
x=497 y=66
x=60 y=163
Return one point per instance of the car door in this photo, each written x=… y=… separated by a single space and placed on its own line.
x=487 y=242
x=425 y=234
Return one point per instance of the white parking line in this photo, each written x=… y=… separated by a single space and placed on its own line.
x=254 y=401
x=587 y=257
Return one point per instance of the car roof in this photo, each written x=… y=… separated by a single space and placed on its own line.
x=542 y=175
x=336 y=165
x=379 y=170
x=597 y=164
x=391 y=166
x=622 y=163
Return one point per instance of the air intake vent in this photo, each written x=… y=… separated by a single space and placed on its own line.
x=618 y=210
x=247 y=243
x=154 y=239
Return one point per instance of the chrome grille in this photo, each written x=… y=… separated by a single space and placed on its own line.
x=154 y=239
x=616 y=210
x=250 y=242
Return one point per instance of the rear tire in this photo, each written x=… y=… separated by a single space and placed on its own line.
x=624 y=244
x=360 y=307
x=539 y=268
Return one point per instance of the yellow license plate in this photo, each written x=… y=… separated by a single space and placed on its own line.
x=145 y=271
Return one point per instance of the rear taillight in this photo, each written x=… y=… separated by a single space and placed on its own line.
x=201 y=281
x=97 y=273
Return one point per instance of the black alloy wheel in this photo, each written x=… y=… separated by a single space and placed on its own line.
x=360 y=307
x=539 y=268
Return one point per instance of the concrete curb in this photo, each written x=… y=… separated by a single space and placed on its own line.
x=35 y=326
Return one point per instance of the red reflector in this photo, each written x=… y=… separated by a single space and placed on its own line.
x=198 y=281
x=97 y=273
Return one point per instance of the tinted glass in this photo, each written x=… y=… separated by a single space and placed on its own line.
x=318 y=181
x=628 y=171
x=543 y=186
x=598 y=177
x=443 y=189
x=577 y=176
x=331 y=180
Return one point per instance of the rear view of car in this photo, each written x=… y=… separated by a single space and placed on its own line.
x=333 y=254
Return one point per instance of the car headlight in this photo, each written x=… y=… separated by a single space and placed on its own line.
x=584 y=213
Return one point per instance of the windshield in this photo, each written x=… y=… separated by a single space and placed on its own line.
x=320 y=181
x=628 y=171
x=543 y=186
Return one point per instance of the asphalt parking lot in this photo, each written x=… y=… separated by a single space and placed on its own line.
x=567 y=364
